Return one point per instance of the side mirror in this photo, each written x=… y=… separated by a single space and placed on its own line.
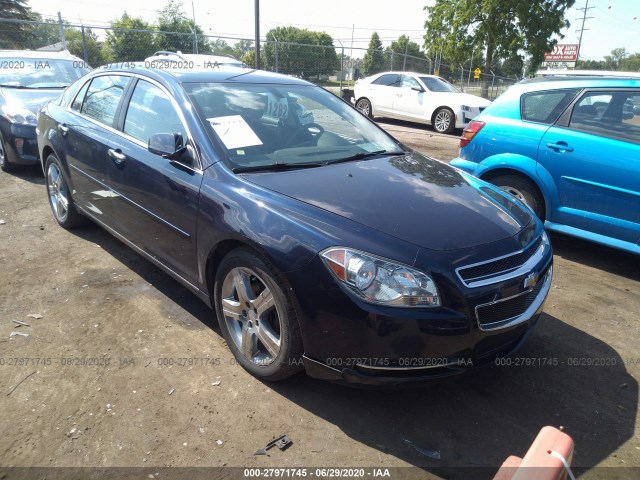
x=167 y=145
x=417 y=89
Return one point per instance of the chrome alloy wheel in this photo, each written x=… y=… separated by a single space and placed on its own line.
x=58 y=194
x=442 y=121
x=251 y=316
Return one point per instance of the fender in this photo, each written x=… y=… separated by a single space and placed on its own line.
x=526 y=166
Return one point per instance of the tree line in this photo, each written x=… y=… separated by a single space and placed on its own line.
x=506 y=37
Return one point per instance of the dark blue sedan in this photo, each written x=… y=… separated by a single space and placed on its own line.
x=320 y=241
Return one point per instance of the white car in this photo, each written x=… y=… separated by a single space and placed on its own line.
x=417 y=97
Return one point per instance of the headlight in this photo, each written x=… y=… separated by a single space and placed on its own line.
x=465 y=108
x=381 y=281
x=19 y=115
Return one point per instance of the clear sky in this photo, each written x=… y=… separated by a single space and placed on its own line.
x=615 y=23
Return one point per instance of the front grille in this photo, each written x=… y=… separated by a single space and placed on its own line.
x=500 y=266
x=492 y=315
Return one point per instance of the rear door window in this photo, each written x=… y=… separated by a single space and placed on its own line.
x=102 y=98
x=545 y=107
x=389 y=80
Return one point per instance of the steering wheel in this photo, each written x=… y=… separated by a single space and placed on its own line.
x=314 y=130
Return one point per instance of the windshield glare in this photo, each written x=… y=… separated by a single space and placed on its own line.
x=268 y=124
x=39 y=72
x=436 y=84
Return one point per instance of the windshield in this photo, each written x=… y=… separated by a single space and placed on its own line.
x=275 y=126
x=437 y=84
x=39 y=72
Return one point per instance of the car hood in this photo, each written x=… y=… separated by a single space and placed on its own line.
x=30 y=98
x=412 y=197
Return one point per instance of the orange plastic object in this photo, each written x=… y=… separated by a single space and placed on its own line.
x=543 y=460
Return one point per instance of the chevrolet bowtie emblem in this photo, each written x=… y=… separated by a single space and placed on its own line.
x=530 y=281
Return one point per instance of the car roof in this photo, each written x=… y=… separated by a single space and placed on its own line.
x=61 y=55
x=576 y=81
x=198 y=74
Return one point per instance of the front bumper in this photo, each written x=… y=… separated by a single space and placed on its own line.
x=353 y=342
x=20 y=144
x=373 y=372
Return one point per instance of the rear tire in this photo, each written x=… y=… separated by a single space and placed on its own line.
x=524 y=190
x=256 y=316
x=364 y=106
x=62 y=205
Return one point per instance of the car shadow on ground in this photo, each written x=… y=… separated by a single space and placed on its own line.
x=32 y=174
x=403 y=123
x=162 y=282
x=562 y=377
x=597 y=256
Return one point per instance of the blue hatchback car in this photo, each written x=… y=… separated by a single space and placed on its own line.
x=568 y=146
x=319 y=240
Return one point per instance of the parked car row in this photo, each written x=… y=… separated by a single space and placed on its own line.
x=320 y=241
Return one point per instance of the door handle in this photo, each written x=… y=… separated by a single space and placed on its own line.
x=63 y=129
x=117 y=155
x=560 y=147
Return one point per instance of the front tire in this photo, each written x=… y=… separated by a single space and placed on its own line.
x=524 y=190
x=444 y=121
x=256 y=316
x=364 y=106
x=62 y=205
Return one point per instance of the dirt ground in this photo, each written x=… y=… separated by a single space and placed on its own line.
x=123 y=367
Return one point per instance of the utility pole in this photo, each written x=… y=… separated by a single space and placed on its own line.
x=257 y=9
x=195 y=35
x=582 y=29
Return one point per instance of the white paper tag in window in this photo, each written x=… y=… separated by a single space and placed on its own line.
x=234 y=132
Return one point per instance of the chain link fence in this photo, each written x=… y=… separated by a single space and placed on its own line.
x=334 y=67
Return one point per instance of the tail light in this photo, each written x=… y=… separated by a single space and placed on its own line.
x=471 y=131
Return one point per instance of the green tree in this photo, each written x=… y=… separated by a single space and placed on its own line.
x=95 y=54
x=172 y=19
x=241 y=48
x=504 y=29
x=403 y=54
x=15 y=35
x=373 y=61
x=631 y=63
x=301 y=52
x=126 y=43
x=615 y=60
x=42 y=34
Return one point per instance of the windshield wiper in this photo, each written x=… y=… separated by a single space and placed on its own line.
x=363 y=155
x=276 y=167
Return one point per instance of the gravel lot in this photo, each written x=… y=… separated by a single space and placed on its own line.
x=123 y=367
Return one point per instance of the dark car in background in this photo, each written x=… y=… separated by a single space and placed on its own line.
x=320 y=241
x=28 y=80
